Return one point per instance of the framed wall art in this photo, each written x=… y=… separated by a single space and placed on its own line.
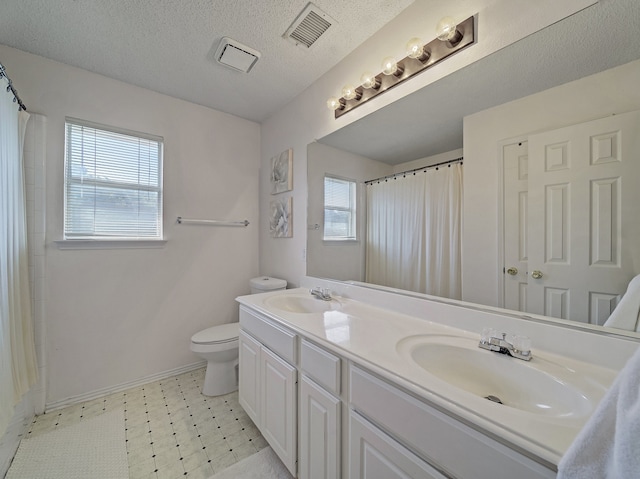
x=280 y=225
x=282 y=172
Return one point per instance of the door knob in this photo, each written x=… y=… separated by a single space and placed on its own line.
x=512 y=271
x=536 y=274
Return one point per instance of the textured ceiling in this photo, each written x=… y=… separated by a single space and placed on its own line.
x=168 y=45
x=595 y=39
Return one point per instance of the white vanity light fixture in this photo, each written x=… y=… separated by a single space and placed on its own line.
x=349 y=92
x=369 y=80
x=451 y=38
x=334 y=103
x=416 y=50
x=447 y=31
x=391 y=67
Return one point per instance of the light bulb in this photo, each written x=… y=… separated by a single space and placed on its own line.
x=349 y=92
x=369 y=80
x=334 y=104
x=446 y=29
x=389 y=66
x=415 y=48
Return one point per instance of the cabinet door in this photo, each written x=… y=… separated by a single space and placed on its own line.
x=319 y=432
x=374 y=455
x=249 y=382
x=279 y=411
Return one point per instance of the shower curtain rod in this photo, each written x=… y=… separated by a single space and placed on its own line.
x=415 y=170
x=16 y=98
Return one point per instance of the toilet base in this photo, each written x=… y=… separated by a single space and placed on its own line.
x=220 y=378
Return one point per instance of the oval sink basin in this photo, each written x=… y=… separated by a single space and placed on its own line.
x=539 y=386
x=301 y=304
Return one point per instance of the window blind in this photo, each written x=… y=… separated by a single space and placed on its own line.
x=339 y=208
x=113 y=183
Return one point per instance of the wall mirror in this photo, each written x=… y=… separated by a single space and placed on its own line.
x=427 y=126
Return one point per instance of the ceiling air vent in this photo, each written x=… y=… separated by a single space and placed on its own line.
x=236 y=56
x=308 y=26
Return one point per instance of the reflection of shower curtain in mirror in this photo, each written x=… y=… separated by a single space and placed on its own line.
x=413 y=232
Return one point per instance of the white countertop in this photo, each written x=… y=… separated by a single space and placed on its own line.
x=369 y=336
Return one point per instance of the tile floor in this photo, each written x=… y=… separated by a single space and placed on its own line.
x=172 y=430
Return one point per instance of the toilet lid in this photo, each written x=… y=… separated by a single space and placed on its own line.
x=223 y=333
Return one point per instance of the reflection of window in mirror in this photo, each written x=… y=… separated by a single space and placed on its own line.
x=339 y=209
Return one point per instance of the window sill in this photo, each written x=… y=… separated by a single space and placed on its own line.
x=340 y=241
x=109 y=244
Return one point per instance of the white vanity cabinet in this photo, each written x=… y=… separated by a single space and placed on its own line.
x=446 y=443
x=268 y=383
x=332 y=412
x=320 y=405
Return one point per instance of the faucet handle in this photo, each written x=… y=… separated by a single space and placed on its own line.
x=487 y=334
x=522 y=343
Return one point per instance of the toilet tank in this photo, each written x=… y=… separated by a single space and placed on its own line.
x=264 y=284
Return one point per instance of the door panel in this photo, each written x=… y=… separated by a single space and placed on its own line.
x=583 y=191
x=319 y=432
x=279 y=411
x=249 y=383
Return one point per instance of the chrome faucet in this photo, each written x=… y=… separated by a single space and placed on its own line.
x=321 y=293
x=517 y=346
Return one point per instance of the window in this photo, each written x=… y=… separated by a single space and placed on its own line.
x=113 y=183
x=339 y=209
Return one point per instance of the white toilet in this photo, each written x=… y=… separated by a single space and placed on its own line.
x=219 y=346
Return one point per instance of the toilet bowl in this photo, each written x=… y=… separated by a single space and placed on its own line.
x=219 y=346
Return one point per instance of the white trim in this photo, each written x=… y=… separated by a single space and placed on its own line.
x=113 y=129
x=500 y=216
x=108 y=244
x=348 y=241
x=70 y=401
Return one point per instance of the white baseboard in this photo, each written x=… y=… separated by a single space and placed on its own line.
x=70 y=401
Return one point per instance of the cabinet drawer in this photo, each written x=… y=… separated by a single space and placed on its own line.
x=320 y=365
x=372 y=452
x=435 y=436
x=277 y=339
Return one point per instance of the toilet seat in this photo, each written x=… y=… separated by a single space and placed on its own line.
x=224 y=333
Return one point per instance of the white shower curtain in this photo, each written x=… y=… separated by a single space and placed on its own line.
x=18 y=366
x=413 y=232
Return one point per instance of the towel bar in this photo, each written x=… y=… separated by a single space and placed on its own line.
x=186 y=221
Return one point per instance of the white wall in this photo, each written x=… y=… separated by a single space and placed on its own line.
x=306 y=118
x=116 y=316
x=596 y=96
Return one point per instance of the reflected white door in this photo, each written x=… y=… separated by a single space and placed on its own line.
x=516 y=174
x=583 y=198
